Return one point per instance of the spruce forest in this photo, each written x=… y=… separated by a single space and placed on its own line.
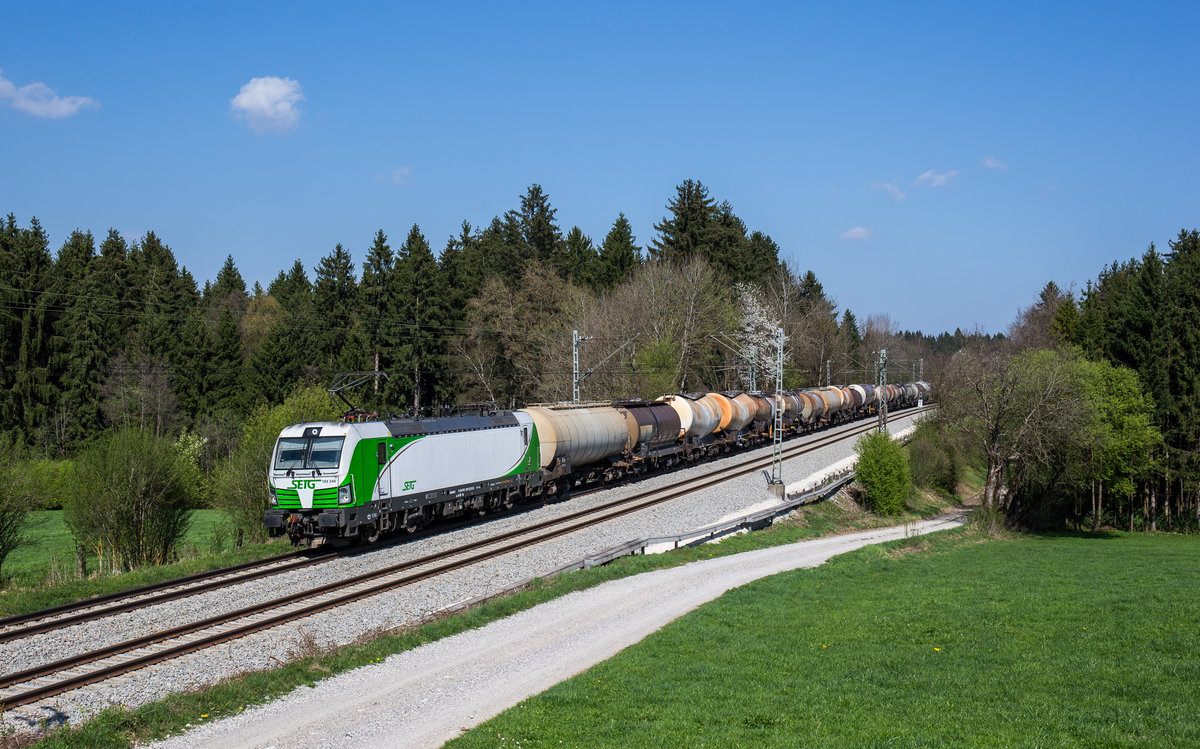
x=110 y=334
x=115 y=333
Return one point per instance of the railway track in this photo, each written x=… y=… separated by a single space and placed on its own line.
x=56 y=617
x=50 y=679
x=90 y=609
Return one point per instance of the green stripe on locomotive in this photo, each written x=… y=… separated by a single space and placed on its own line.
x=365 y=467
x=365 y=470
x=532 y=462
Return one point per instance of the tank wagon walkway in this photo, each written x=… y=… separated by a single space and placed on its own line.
x=429 y=695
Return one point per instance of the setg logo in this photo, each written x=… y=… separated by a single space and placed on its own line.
x=410 y=485
x=304 y=483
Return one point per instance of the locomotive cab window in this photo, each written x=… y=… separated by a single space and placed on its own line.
x=381 y=453
x=323 y=453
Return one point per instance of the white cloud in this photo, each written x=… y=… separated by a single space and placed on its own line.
x=933 y=179
x=858 y=232
x=896 y=192
x=39 y=100
x=991 y=162
x=400 y=176
x=269 y=104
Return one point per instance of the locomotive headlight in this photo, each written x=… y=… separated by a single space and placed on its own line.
x=345 y=495
x=274 y=498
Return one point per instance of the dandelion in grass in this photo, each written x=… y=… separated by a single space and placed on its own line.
x=937 y=650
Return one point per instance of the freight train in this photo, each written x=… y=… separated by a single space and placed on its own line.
x=357 y=480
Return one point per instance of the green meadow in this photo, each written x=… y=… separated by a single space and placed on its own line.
x=944 y=640
x=41 y=573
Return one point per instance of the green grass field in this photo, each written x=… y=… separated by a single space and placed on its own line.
x=119 y=728
x=1062 y=640
x=41 y=573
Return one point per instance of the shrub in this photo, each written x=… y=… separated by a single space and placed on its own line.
x=883 y=473
x=50 y=482
x=240 y=483
x=933 y=458
x=16 y=497
x=189 y=448
x=132 y=499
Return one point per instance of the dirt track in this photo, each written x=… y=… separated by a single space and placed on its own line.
x=426 y=696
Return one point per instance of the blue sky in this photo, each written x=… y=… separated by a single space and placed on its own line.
x=938 y=164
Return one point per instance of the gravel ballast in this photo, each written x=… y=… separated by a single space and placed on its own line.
x=389 y=610
x=428 y=695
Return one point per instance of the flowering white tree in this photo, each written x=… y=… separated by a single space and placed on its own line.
x=758 y=331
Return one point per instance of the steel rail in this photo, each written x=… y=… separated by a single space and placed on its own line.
x=85 y=603
x=47 y=621
x=50 y=619
x=585 y=518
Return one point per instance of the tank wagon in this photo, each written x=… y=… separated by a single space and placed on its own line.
x=357 y=480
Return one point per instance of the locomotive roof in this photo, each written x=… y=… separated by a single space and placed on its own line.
x=409 y=427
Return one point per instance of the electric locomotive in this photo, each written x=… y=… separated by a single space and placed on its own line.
x=363 y=479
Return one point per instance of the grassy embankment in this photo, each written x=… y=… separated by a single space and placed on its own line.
x=1081 y=640
x=42 y=572
x=119 y=728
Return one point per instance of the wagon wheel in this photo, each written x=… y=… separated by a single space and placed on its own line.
x=372 y=533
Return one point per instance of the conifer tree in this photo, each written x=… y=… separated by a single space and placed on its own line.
x=501 y=250
x=335 y=297
x=192 y=362
x=698 y=226
x=579 y=258
x=225 y=389
x=761 y=257
x=1153 y=328
x=1183 y=354
x=229 y=289
x=619 y=255
x=377 y=293
x=28 y=325
x=74 y=262
x=293 y=290
x=460 y=269
x=811 y=290
x=540 y=232
x=165 y=297
x=422 y=311
x=727 y=246
x=685 y=231
x=79 y=347
x=115 y=276
x=82 y=359
x=277 y=365
x=850 y=333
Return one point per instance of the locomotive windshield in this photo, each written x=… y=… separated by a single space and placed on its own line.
x=323 y=453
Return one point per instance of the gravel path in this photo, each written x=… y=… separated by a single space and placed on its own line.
x=426 y=696
x=386 y=611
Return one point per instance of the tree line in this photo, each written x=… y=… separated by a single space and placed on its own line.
x=116 y=333
x=1087 y=413
x=114 y=356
